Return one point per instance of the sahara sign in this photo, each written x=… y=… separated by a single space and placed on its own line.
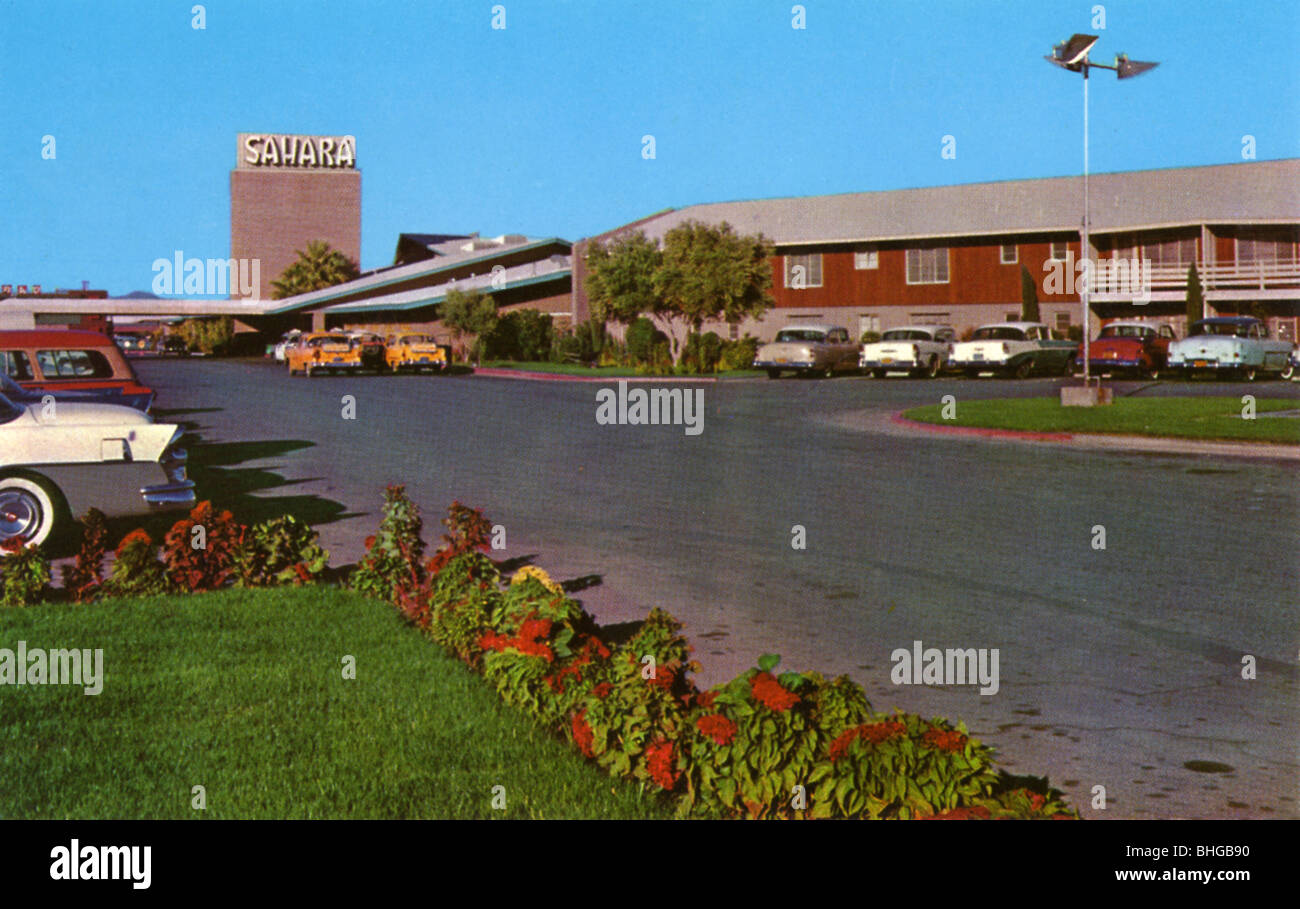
x=257 y=150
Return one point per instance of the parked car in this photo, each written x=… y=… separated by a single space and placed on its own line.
x=57 y=464
x=1015 y=349
x=132 y=342
x=1131 y=346
x=1236 y=346
x=173 y=345
x=289 y=339
x=320 y=352
x=813 y=349
x=413 y=350
x=370 y=350
x=58 y=360
x=921 y=350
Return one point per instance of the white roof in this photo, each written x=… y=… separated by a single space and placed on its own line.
x=811 y=326
x=1020 y=325
x=931 y=329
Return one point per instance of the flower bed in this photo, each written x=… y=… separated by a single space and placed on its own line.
x=794 y=745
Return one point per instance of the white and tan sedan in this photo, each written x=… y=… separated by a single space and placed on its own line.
x=813 y=349
x=60 y=458
x=918 y=350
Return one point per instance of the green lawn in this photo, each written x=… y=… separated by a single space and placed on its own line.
x=242 y=692
x=1189 y=418
x=573 y=369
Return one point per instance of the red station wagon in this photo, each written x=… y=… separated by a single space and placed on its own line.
x=55 y=360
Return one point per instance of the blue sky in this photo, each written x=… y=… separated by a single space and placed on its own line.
x=537 y=128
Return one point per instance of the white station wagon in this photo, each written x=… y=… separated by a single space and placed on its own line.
x=60 y=458
x=921 y=350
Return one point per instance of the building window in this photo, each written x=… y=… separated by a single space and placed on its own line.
x=866 y=259
x=803 y=271
x=1010 y=254
x=1170 y=252
x=1059 y=249
x=868 y=322
x=733 y=331
x=1264 y=251
x=927 y=266
x=1062 y=321
x=1012 y=317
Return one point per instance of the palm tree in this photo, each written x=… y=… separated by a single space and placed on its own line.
x=317 y=267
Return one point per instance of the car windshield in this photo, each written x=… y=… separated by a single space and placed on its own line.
x=417 y=339
x=800 y=334
x=998 y=333
x=10 y=411
x=1127 y=331
x=906 y=334
x=1231 y=329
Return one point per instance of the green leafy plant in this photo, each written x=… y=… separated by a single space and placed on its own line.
x=84 y=578
x=199 y=551
x=136 y=569
x=393 y=555
x=24 y=574
x=282 y=550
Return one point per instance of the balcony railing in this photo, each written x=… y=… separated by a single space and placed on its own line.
x=1242 y=276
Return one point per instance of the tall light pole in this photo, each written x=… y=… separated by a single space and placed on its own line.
x=1073 y=55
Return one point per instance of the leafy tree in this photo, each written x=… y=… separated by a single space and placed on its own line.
x=1195 y=298
x=702 y=272
x=522 y=334
x=641 y=337
x=318 y=267
x=209 y=336
x=470 y=312
x=1028 y=296
x=621 y=277
x=711 y=272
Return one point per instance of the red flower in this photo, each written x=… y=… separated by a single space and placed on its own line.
x=706 y=699
x=768 y=691
x=490 y=640
x=874 y=733
x=717 y=727
x=135 y=536
x=582 y=734
x=602 y=690
x=370 y=542
x=951 y=740
x=662 y=678
x=659 y=763
x=979 y=812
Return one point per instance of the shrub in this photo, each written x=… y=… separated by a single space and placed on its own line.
x=393 y=555
x=25 y=574
x=702 y=352
x=642 y=709
x=738 y=354
x=136 y=570
x=199 y=551
x=641 y=338
x=522 y=334
x=282 y=550
x=84 y=578
x=871 y=337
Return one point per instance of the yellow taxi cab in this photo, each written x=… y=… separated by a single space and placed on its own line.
x=415 y=350
x=323 y=351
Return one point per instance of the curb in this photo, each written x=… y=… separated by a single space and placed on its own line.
x=1270 y=451
x=498 y=373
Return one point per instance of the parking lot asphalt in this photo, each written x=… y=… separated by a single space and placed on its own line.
x=1119 y=666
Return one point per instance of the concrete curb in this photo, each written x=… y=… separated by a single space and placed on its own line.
x=497 y=373
x=1098 y=442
